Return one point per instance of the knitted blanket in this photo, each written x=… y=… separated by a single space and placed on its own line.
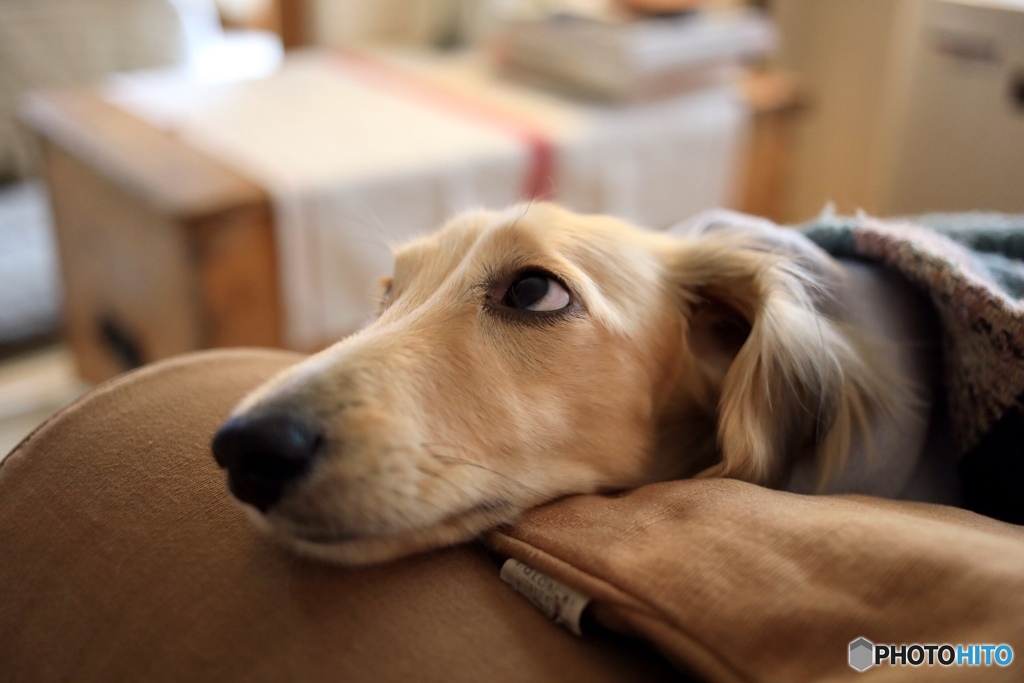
x=972 y=267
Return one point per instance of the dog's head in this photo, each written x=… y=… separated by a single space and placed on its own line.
x=525 y=355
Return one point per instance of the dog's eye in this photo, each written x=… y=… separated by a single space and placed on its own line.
x=537 y=291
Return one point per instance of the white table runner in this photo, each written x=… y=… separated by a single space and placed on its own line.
x=360 y=151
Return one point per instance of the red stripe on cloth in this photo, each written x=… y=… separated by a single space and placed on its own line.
x=539 y=181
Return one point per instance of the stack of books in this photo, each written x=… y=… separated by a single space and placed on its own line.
x=624 y=58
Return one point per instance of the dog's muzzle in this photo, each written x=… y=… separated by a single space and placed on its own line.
x=264 y=454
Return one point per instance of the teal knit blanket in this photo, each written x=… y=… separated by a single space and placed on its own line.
x=972 y=267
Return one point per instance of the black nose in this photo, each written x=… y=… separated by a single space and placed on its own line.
x=263 y=454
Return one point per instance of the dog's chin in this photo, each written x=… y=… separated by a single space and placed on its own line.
x=352 y=549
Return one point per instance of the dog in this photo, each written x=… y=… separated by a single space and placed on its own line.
x=523 y=355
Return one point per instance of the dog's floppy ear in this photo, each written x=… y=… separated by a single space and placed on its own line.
x=784 y=378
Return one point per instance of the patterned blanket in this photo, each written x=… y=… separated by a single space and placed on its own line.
x=972 y=267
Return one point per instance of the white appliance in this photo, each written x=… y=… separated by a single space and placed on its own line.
x=959 y=143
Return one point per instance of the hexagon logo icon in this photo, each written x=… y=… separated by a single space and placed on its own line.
x=862 y=654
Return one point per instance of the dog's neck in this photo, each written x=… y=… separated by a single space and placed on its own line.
x=684 y=445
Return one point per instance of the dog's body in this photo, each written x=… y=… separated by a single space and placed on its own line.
x=530 y=354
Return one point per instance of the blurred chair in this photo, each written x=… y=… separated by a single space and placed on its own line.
x=55 y=43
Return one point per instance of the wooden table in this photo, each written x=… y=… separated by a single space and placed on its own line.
x=164 y=250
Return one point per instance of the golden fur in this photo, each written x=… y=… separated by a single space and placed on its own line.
x=723 y=353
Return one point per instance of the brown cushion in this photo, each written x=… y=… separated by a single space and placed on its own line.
x=122 y=558
x=741 y=583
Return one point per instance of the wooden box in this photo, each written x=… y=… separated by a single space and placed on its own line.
x=162 y=249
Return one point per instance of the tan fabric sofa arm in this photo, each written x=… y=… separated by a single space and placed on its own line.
x=122 y=558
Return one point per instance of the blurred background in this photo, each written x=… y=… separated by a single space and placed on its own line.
x=186 y=174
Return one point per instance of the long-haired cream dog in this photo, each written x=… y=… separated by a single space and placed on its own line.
x=525 y=355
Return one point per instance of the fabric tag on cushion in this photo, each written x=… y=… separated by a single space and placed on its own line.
x=561 y=603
